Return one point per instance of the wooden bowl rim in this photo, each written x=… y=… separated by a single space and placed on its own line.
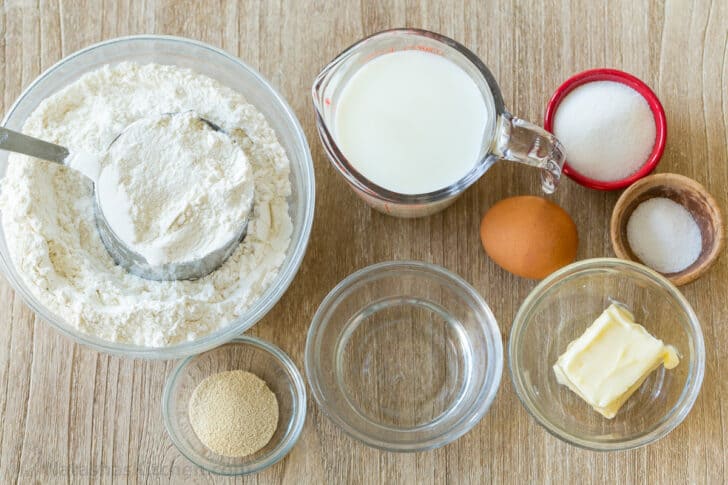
x=697 y=269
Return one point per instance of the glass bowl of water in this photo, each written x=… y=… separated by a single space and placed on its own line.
x=558 y=311
x=404 y=356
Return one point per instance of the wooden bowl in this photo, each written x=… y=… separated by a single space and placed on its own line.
x=686 y=192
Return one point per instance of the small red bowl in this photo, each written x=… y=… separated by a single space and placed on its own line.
x=634 y=83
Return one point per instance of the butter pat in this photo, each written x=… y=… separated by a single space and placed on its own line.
x=610 y=361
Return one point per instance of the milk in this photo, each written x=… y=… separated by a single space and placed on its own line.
x=411 y=121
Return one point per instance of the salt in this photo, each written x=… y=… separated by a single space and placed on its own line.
x=607 y=129
x=664 y=235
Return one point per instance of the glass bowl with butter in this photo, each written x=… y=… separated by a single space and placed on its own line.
x=607 y=354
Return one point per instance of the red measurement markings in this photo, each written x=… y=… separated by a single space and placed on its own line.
x=417 y=47
x=425 y=48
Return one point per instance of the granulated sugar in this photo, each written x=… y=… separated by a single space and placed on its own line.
x=607 y=129
x=664 y=235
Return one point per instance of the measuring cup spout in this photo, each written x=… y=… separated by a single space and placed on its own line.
x=520 y=141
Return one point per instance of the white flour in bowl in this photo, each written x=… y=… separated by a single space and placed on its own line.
x=48 y=220
x=173 y=189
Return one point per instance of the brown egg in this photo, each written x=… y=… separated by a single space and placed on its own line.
x=529 y=236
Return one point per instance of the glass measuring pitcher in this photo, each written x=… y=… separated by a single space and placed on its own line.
x=505 y=136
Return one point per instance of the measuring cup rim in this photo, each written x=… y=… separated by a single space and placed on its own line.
x=356 y=178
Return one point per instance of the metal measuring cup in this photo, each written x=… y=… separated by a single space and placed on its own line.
x=124 y=256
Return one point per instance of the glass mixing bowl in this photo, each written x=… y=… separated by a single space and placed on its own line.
x=231 y=72
x=249 y=354
x=404 y=356
x=558 y=311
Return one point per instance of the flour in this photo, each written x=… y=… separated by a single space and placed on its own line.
x=47 y=210
x=173 y=189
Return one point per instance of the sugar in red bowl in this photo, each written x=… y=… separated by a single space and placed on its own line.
x=637 y=85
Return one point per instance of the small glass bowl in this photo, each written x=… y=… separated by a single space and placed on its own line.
x=245 y=353
x=404 y=356
x=558 y=311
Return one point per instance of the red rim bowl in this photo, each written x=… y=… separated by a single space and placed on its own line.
x=634 y=83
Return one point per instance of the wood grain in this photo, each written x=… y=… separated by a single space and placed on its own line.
x=71 y=414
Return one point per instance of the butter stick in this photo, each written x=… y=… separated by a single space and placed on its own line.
x=611 y=359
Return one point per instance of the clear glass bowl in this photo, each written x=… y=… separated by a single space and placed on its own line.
x=228 y=70
x=558 y=311
x=404 y=356
x=244 y=353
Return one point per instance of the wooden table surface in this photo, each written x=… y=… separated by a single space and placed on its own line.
x=71 y=414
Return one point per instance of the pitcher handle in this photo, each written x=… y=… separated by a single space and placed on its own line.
x=520 y=141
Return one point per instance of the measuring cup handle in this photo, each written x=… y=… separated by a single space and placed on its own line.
x=520 y=141
x=13 y=141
